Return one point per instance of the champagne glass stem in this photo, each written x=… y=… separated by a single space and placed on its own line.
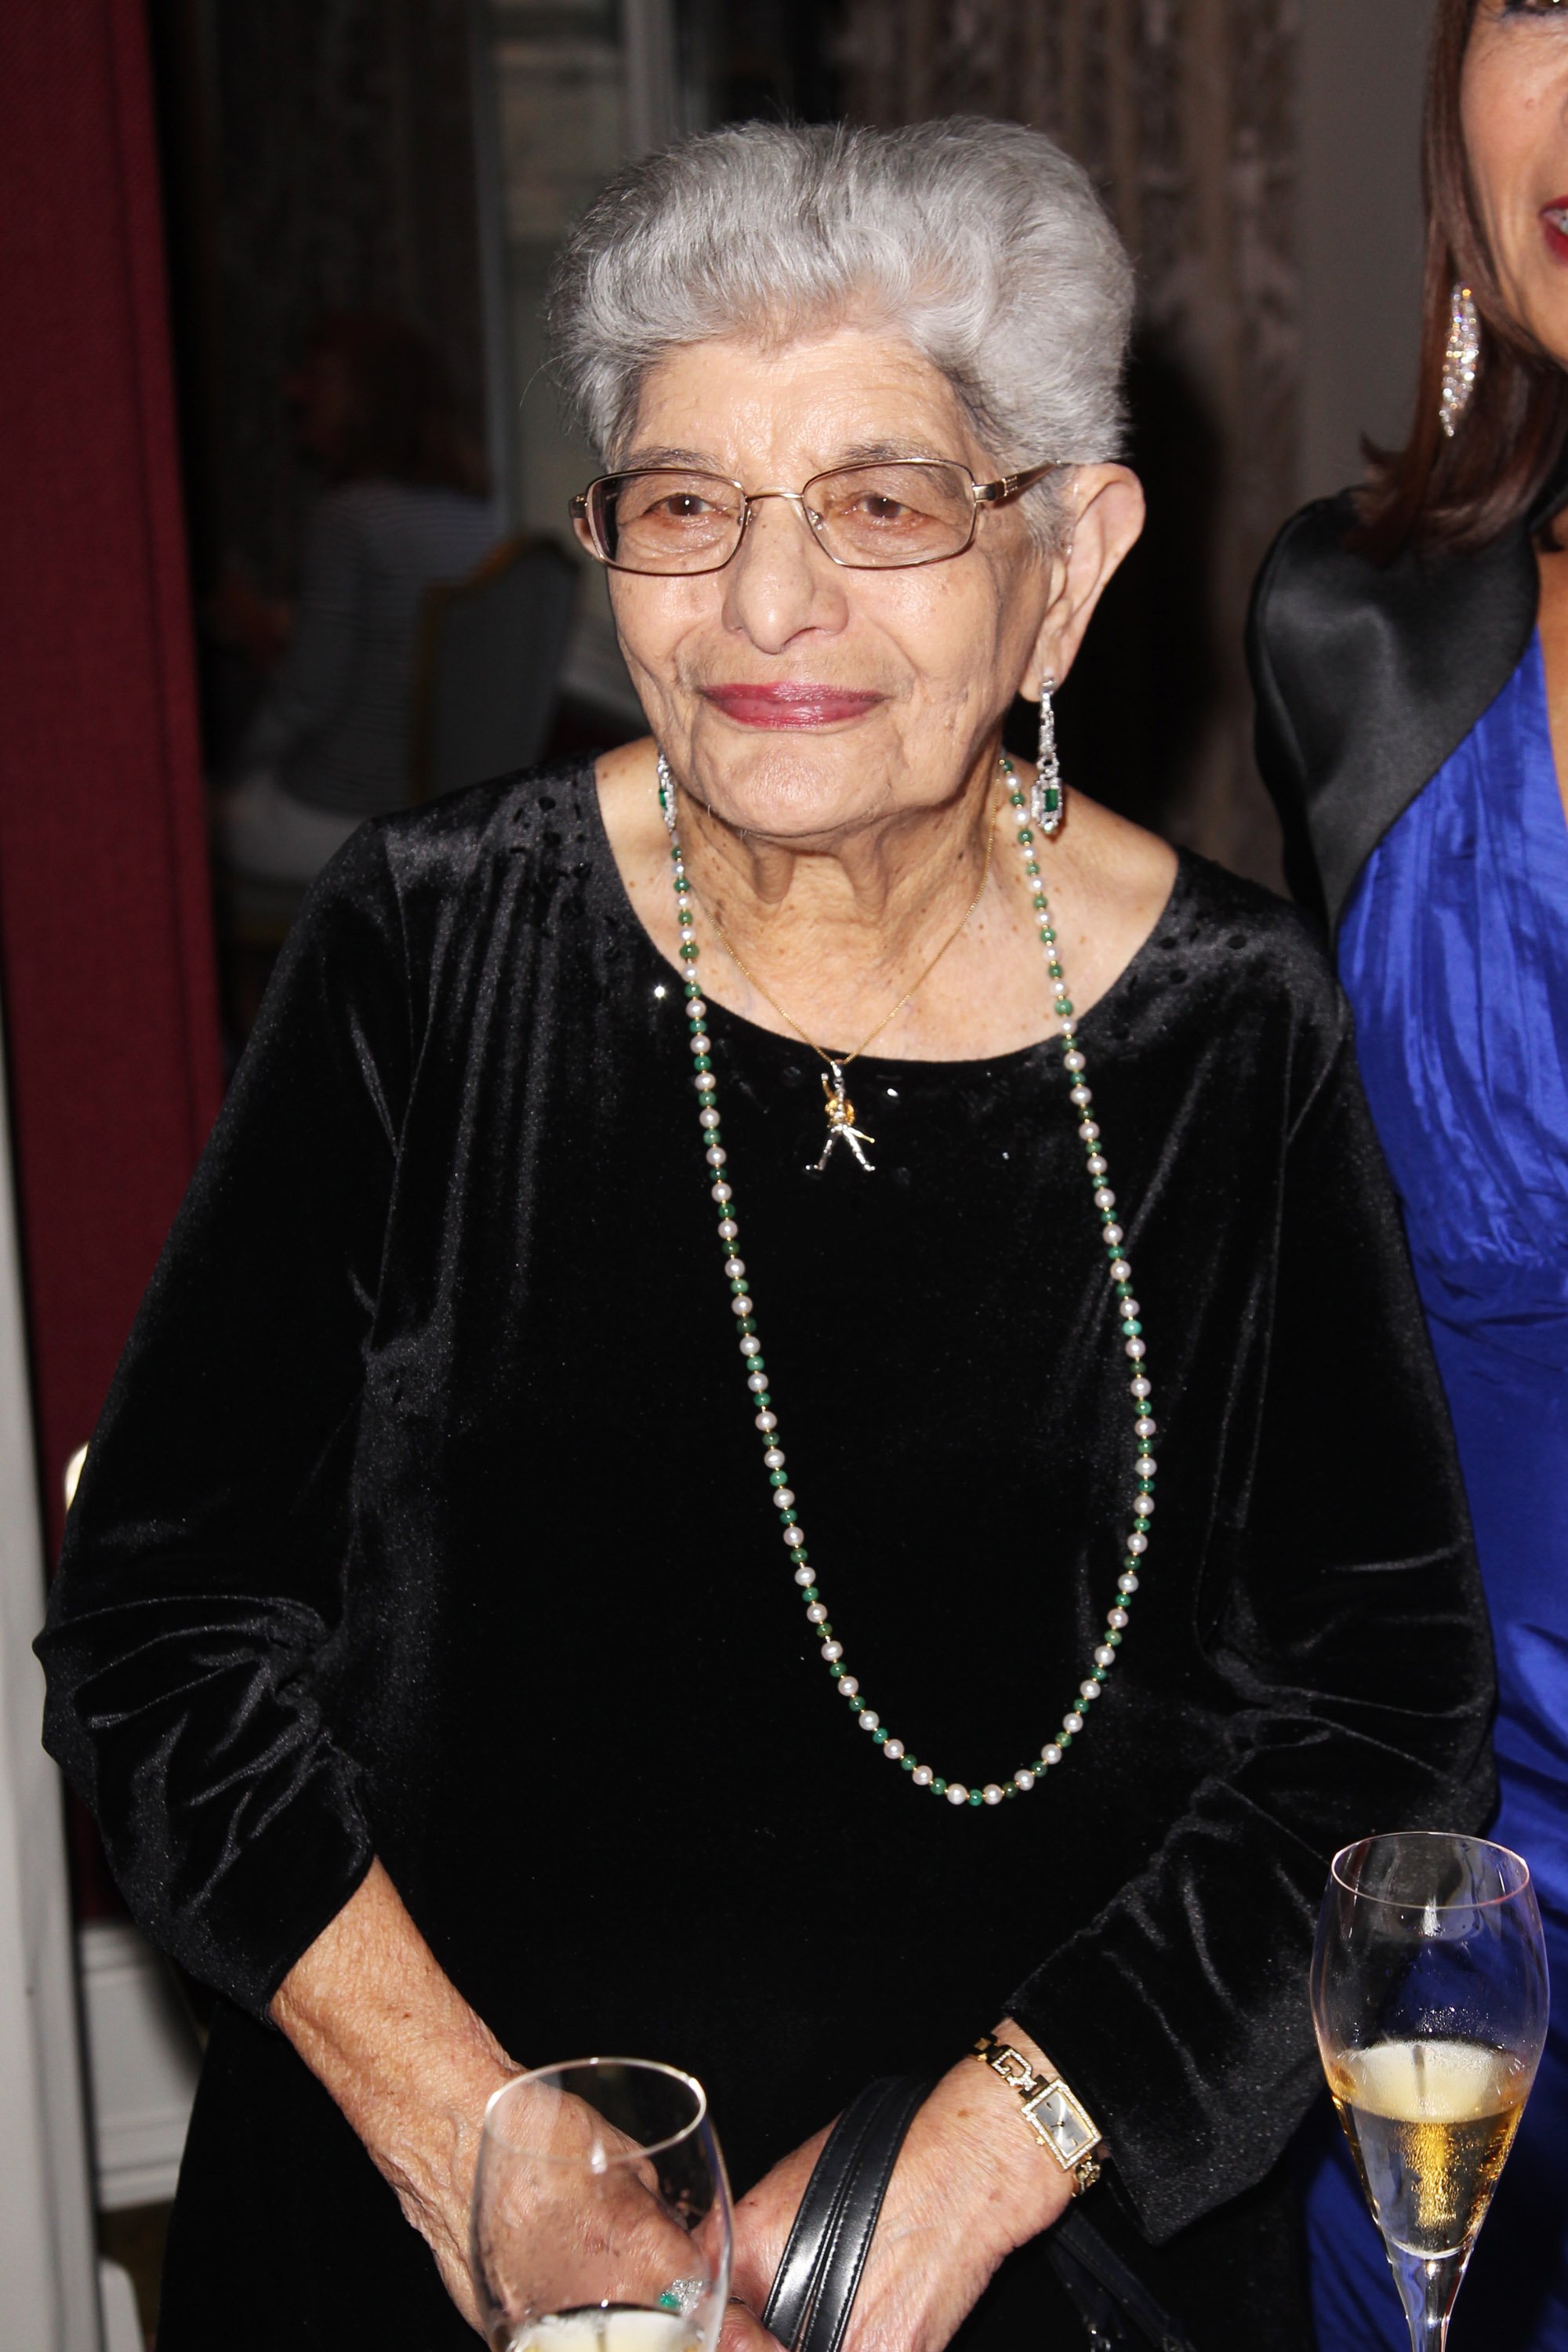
x=1428 y=2286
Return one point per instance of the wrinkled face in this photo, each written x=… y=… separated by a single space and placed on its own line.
x=1515 y=101
x=798 y=698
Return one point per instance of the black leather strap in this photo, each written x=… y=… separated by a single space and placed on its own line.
x=808 y=2309
x=812 y=2296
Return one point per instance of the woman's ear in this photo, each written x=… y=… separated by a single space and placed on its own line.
x=1104 y=521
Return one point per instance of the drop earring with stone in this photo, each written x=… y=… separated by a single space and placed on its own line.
x=1048 y=798
x=1461 y=360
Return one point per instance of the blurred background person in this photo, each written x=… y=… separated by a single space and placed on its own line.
x=406 y=506
x=1410 y=654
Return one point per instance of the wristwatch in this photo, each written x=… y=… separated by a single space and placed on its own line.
x=1060 y=2122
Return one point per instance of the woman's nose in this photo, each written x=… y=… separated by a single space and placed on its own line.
x=780 y=582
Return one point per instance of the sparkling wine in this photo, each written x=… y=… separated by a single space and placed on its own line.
x=1430 y=2124
x=601 y=2327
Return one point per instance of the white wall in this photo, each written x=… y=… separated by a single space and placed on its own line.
x=1361 y=87
x=48 y=2289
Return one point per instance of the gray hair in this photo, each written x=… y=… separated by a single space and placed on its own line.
x=981 y=242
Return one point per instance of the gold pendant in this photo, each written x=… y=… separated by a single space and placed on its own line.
x=841 y=1121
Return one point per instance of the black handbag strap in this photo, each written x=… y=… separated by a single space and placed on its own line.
x=812 y=2296
x=809 y=2306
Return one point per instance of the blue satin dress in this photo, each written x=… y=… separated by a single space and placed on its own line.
x=1455 y=955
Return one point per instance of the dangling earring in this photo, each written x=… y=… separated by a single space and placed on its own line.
x=1461 y=359
x=1047 y=800
x=667 y=796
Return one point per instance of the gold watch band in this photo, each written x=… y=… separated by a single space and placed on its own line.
x=1059 y=2121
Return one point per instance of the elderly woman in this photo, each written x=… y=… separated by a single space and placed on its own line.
x=800 y=1125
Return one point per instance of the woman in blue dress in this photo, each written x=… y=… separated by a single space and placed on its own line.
x=1409 y=648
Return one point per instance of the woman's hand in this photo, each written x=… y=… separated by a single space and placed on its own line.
x=407 y=2060
x=971 y=2185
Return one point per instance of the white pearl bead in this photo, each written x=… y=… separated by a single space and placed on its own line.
x=957 y=1794
x=740 y=1305
x=766 y=1420
x=992 y=1793
x=708 y=1118
x=794 y=1538
x=1117 y=1621
x=757 y=1382
x=1104 y=1198
x=783 y=1497
x=1137 y=1350
x=716 y=1155
x=922 y=1776
x=1074 y=1061
x=696 y=1009
x=1143 y=1425
x=1097 y=1167
x=1145 y=1465
x=804 y=1576
x=1073 y=1723
x=1127 y=1582
x=727 y=1228
x=894 y=1750
x=832 y=1650
x=1122 y=1271
x=1138 y=1543
x=702 y=1044
x=869 y=1720
x=1143 y=1505
x=720 y=1192
x=1082 y=1097
x=1090 y=1133
x=774 y=1457
x=1088 y=1688
x=1051 y=1755
x=1141 y=1387
x=751 y=1345
x=734 y=1267
x=1023 y=1781
x=705 y=1082
x=1113 y=1237
x=1129 y=1307
x=848 y=1687
x=816 y=1615
x=1105 y=1655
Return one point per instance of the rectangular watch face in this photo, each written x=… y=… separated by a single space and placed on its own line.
x=1061 y=2123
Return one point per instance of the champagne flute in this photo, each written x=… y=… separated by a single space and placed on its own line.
x=1429 y=1997
x=601 y=2212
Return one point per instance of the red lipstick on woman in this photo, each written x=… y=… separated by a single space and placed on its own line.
x=787 y=704
x=1555 y=221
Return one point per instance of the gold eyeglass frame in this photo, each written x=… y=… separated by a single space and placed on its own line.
x=981 y=494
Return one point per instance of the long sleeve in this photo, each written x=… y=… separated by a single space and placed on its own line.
x=205 y=1559
x=1349 y=1627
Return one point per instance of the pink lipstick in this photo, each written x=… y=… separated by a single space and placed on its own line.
x=783 y=704
x=1555 y=221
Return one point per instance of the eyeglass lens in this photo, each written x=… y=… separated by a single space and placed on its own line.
x=873 y=517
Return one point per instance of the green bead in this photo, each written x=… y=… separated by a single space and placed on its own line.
x=878 y=1738
x=810 y=1594
x=688 y=951
x=1125 y=1290
x=939 y=1788
x=1063 y=1740
x=749 y=1325
x=1131 y=1329
x=702 y=1061
x=1065 y=1005
x=909 y=1763
x=1113 y=1640
x=1016 y=800
x=778 y=1477
x=737 y=1286
x=789 y=1518
x=857 y=1706
x=975 y=1797
x=835 y=1670
x=763 y=1401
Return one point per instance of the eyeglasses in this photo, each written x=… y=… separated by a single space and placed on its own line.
x=669 y=521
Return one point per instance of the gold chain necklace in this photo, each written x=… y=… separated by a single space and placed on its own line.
x=840 y=1110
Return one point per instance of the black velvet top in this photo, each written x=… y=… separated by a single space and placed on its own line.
x=426 y=1517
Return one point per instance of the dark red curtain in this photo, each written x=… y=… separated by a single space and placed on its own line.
x=106 y=955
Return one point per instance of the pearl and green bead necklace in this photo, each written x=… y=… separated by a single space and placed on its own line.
x=1130 y=1336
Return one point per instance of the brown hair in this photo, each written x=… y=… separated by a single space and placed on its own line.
x=1434 y=494
x=403 y=423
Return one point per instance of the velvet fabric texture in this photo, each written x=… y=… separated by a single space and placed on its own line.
x=428 y=1518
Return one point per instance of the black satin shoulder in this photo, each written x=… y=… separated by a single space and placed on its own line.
x=1367 y=678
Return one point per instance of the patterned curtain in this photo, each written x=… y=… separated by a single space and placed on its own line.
x=1185 y=111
